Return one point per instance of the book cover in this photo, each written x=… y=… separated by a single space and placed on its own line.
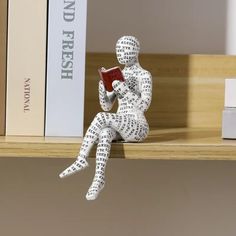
x=65 y=68
x=109 y=75
x=26 y=62
x=3 y=46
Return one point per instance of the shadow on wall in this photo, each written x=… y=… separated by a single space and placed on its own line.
x=169 y=106
x=170 y=74
x=188 y=90
x=170 y=87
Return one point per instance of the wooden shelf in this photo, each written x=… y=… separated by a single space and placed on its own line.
x=167 y=144
x=188 y=91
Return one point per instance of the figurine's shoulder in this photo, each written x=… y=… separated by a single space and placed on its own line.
x=137 y=72
x=144 y=73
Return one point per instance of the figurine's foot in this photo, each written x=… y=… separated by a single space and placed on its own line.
x=77 y=166
x=94 y=190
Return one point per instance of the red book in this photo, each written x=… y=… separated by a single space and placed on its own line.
x=109 y=75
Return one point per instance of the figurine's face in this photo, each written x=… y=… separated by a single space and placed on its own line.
x=127 y=49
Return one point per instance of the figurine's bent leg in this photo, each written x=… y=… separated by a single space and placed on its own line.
x=129 y=129
x=103 y=151
x=90 y=138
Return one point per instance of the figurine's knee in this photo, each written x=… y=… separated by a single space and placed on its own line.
x=106 y=135
x=103 y=119
x=99 y=117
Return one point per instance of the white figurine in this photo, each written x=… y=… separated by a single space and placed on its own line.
x=128 y=124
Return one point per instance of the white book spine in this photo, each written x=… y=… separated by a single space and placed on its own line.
x=66 y=68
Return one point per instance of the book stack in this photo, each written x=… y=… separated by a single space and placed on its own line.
x=42 y=67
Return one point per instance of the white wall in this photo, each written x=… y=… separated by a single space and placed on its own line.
x=162 y=26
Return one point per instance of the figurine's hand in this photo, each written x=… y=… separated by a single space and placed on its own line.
x=120 y=88
x=102 y=90
x=106 y=99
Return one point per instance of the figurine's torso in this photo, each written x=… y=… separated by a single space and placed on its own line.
x=133 y=78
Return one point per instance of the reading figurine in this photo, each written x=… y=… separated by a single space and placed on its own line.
x=129 y=124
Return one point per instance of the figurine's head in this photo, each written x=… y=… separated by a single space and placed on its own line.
x=127 y=50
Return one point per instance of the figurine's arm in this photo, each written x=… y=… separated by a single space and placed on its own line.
x=106 y=99
x=143 y=101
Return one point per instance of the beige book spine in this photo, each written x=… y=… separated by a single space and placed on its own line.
x=27 y=24
x=3 y=46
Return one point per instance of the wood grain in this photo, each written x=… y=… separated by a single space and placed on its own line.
x=185 y=115
x=188 y=90
x=166 y=144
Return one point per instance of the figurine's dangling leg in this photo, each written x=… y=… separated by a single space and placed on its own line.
x=90 y=138
x=103 y=151
x=129 y=129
